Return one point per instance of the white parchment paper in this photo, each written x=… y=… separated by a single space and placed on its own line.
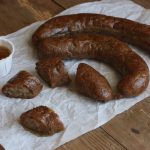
x=79 y=114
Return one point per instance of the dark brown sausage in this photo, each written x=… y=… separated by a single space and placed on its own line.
x=126 y=30
x=1 y=147
x=53 y=72
x=92 y=84
x=22 y=85
x=42 y=120
x=134 y=71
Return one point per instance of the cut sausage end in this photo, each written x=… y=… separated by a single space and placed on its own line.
x=17 y=92
x=53 y=72
x=23 y=85
x=1 y=147
x=41 y=120
x=92 y=84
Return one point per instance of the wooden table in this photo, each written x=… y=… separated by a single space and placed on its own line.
x=127 y=131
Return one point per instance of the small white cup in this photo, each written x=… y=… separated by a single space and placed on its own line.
x=6 y=63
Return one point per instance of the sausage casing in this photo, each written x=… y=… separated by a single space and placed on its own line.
x=92 y=84
x=134 y=71
x=127 y=30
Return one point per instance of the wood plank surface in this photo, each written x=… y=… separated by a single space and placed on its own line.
x=16 y=14
x=132 y=128
x=129 y=130
x=88 y=142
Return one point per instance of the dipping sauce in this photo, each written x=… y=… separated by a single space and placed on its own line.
x=4 y=52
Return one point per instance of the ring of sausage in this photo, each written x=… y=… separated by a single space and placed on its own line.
x=121 y=28
x=134 y=71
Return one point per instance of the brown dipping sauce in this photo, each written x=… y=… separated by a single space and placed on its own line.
x=4 y=52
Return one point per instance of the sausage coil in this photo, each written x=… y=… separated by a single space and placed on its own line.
x=121 y=28
x=134 y=71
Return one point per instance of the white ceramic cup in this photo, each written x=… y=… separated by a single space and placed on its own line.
x=6 y=63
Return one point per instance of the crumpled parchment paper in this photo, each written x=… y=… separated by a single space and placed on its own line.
x=79 y=114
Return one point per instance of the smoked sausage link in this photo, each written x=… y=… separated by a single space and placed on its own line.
x=134 y=71
x=126 y=30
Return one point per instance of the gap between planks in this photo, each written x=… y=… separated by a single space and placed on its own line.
x=94 y=140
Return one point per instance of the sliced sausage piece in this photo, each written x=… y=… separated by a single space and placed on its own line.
x=41 y=120
x=23 y=85
x=130 y=31
x=53 y=72
x=1 y=147
x=92 y=84
x=134 y=71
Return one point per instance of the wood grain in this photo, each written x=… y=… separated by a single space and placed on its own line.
x=10 y=22
x=89 y=142
x=24 y=12
x=47 y=10
x=132 y=128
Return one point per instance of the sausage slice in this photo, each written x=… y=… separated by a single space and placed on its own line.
x=92 y=84
x=41 y=120
x=1 y=147
x=53 y=72
x=23 y=85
